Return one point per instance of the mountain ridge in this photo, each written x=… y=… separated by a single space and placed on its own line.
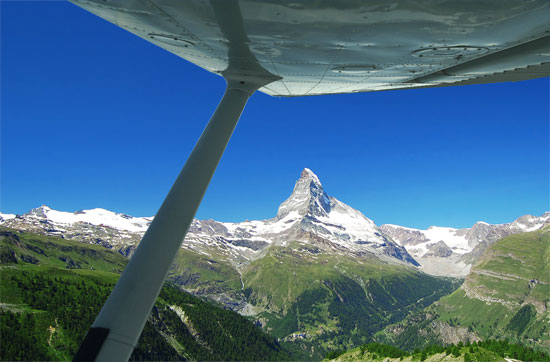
x=308 y=214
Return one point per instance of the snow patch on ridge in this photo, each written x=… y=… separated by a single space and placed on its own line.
x=343 y=219
x=450 y=236
x=4 y=217
x=458 y=243
x=260 y=227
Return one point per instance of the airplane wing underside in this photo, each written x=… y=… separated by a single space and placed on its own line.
x=346 y=46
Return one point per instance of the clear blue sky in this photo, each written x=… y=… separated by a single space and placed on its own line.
x=92 y=116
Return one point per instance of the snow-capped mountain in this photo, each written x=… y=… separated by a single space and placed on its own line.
x=309 y=215
x=95 y=226
x=97 y=217
x=449 y=251
x=326 y=216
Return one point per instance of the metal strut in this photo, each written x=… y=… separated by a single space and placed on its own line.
x=116 y=330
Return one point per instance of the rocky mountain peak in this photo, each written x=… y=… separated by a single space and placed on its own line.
x=40 y=212
x=530 y=222
x=308 y=176
x=307 y=198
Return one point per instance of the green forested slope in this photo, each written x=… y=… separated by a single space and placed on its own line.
x=52 y=289
x=324 y=301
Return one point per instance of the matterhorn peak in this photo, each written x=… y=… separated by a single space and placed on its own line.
x=308 y=175
x=308 y=197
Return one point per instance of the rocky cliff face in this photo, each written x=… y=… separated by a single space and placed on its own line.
x=307 y=198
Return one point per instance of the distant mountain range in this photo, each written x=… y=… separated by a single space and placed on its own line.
x=309 y=215
x=506 y=295
x=452 y=252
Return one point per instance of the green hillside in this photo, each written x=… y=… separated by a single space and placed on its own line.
x=324 y=301
x=203 y=275
x=506 y=295
x=52 y=289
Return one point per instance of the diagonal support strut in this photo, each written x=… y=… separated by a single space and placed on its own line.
x=117 y=328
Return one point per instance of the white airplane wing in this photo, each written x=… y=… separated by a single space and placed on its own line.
x=345 y=46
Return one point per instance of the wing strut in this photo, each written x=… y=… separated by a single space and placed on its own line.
x=116 y=330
